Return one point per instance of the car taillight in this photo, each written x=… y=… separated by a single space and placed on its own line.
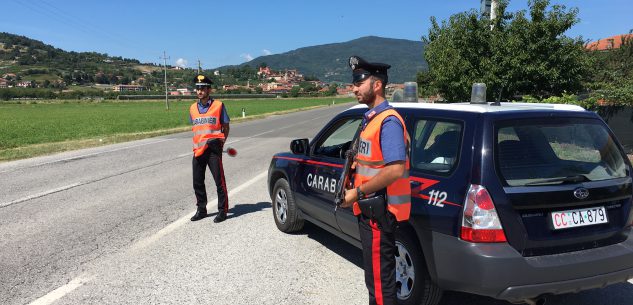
x=480 y=223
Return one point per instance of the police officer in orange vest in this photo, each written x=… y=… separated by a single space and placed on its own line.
x=210 y=129
x=381 y=176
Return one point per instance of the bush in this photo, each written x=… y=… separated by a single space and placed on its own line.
x=611 y=96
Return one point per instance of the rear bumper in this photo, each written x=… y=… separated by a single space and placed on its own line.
x=499 y=271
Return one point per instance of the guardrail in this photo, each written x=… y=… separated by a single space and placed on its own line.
x=191 y=97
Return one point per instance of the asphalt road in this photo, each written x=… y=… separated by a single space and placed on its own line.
x=110 y=225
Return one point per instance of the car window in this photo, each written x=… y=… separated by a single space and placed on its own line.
x=532 y=152
x=338 y=139
x=436 y=146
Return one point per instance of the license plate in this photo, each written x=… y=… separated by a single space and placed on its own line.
x=579 y=218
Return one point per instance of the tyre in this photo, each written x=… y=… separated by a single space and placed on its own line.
x=287 y=216
x=413 y=283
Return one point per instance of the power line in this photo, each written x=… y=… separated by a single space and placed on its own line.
x=51 y=11
x=83 y=23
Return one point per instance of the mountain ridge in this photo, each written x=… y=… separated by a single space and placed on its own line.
x=52 y=67
x=328 y=62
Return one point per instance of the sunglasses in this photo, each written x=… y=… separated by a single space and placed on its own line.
x=200 y=87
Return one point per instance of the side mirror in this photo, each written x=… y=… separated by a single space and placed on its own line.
x=299 y=146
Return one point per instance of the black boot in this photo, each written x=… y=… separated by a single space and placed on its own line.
x=220 y=217
x=200 y=213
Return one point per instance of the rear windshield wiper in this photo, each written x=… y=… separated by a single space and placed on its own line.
x=576 y=178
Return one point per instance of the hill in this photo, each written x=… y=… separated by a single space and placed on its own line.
x=329 y=62
x=44 y=66
x=33 y=60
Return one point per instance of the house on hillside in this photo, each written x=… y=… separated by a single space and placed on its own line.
x=9 y=76
x=345 y=90
x=265 y=71
x=230 y=87
x=184 y=91
x=4 y=83
x=121 y=88
x=613 y=42
x=276 y=88
x=103 y=86
x=26 y=84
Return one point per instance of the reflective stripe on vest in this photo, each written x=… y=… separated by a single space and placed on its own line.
x=369 y=171
x=200 y=132
x=369 y=162
x=205 y=126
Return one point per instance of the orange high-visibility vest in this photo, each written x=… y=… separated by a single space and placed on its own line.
x=205 y=126
x=369 y=161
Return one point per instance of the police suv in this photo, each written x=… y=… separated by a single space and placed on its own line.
x=513 y=201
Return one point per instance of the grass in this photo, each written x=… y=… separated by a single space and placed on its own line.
x=32 y=129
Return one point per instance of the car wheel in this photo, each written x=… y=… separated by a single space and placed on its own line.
x=413 y=283
x=287 y=216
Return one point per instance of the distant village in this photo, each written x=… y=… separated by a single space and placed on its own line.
x=281 y=82
x=270 y=82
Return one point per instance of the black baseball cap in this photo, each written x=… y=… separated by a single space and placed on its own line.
x=202 y=81
x=361 y=69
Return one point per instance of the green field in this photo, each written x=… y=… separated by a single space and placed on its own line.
x=32 y=129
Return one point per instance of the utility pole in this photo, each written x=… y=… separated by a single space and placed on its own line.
x=489 y=8
x=165 y=58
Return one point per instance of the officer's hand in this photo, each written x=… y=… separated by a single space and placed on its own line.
x=350 y=197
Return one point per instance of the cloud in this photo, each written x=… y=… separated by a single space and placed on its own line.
x=266 y=52
x=247 y=56
x=181 y=62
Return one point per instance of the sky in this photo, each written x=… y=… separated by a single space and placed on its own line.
x=219 y=32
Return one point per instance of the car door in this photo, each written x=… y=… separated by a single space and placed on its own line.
x=437 y=172
x=323 y=169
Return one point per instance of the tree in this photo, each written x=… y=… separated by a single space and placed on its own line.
x=332 y=89
x=294 y=92
x=512 y=54
x=425 y=83
x=612 y=76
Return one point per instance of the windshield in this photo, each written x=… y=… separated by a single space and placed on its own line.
x=537 y=152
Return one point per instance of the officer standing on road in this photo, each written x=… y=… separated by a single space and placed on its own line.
x=382 y=169
x=210 y=130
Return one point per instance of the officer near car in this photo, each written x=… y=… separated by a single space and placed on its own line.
x=381 y=196
x=210 y=125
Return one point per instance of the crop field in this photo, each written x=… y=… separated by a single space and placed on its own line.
x=29 y=129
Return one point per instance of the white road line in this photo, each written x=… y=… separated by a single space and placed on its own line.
x=102 y=152
x=277 y=129
x=61 y=291
x=257 y=135
x=58 y=293
x=154 y=142
x=59 y=189
x=82 y=156
x=185 y=219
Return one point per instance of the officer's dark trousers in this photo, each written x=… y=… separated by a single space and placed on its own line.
x=379 y=262
x=212 y=157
